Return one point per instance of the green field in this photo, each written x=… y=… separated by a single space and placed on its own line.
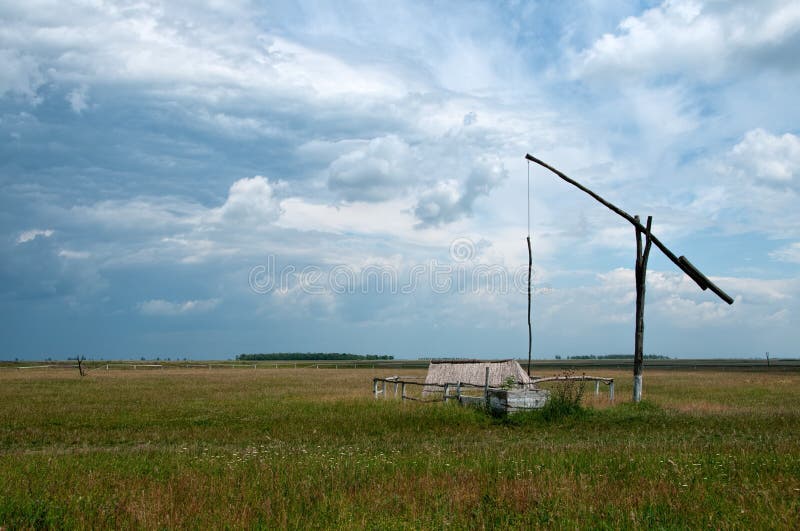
x=300 y=448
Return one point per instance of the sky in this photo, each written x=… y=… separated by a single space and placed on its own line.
x=203 y=179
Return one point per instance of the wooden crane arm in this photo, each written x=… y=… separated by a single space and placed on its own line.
x=682 y=262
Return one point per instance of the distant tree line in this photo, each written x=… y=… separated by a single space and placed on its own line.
x=310 y=356
x=615 y=357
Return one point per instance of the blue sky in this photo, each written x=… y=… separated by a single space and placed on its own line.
x=165 y=165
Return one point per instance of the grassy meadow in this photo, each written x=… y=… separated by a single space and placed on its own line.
x=302 y=448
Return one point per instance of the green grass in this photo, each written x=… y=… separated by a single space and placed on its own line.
x=311 y=448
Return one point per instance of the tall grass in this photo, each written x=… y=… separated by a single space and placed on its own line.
x=308 y=448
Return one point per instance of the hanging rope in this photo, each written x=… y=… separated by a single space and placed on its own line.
x=530 y=269
x=529 y=199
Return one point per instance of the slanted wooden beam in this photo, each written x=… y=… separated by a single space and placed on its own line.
x=683 y=264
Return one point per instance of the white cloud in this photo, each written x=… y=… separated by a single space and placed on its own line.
x=450 y=200
x=325 y=74
x=789 y=253
x=702 y=39
x=30 y=235
x=157 y=229
x=73 y=255
x=766 y=156
x=141 y=214
x=205 y=54
x=251 y=203
x=377 y=171
x=753 y=188
x=389 y=217
x=19 y=74
x=160 y=307
x=78 y=99
x=672 y=299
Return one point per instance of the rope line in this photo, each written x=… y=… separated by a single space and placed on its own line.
x=529 y=199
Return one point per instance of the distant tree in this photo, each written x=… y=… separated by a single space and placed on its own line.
x=80 y=360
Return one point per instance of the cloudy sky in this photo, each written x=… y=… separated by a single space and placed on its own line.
x=202 y=180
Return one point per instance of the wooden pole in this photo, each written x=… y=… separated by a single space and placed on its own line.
x=641 y=274
x=530 y=328
x=486 y=388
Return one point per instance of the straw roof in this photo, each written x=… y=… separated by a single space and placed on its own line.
x=474 y=372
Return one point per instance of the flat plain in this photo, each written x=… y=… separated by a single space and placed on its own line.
x=302 y=448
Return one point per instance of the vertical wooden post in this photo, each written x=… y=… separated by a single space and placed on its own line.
x=641 y=273
x=530 y=329
x=446 y=391
x=403 y=391
x=611 y=391
x=458 y=391
x=596 y=387
x=375 y=387
x=486 y=388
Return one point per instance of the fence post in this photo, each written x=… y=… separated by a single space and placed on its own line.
x=403 y=391
x=446 y=390
x=596 y=387
x=458 y=391
x=611 y=391
x=375 y=387
x=486 y=388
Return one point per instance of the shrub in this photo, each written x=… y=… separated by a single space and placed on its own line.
x=565 y=398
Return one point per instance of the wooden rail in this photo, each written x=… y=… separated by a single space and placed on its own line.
x=379 y=388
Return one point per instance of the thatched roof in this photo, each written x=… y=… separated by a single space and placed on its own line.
x=474 y=372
